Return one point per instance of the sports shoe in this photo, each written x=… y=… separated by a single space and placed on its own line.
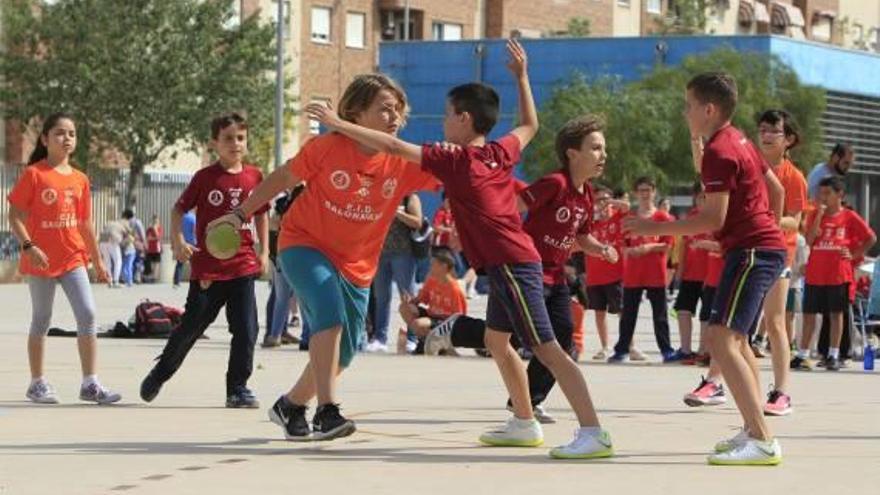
x=242 y=398
x=832 y=364
x=778 y=404
x=692 y=359
x=706 y=394
x=540 y=414
x=150 y=387
x=676 y=356
x=733 y=442
x=618 y=358
x=750 y=453
x=375 y=347
x=292 y=418
x=95 y=392
x=440 y=337
x=585 y=446
x=758 y=350
x=288 y=338
x=269 y=342
x=704 y=361
x=801 y=364
x=294 y=322
x=329 y=423
x=635 y=354
x=41 y=392
x=515 y=433
x=410 y=347
x=602 y=355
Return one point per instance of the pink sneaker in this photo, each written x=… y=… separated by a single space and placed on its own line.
x=707 y=394
x=778 y=404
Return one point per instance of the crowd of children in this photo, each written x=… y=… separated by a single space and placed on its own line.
x=743 y=259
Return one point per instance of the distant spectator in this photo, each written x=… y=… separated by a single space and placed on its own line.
x=154 y=250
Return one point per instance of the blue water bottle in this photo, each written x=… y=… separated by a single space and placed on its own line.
x=869 y=357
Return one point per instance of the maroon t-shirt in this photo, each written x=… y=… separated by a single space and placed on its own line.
x=558 y=213
x=479 y=184
x=215 y=192
x=733 y=164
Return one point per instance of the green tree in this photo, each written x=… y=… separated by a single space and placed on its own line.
x=646 y=133
x=578 y=27
x=684 y=17
x=141 y=77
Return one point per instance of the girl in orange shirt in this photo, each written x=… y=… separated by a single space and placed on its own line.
x=50 y=214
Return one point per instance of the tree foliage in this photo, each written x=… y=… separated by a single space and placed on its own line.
x=645 y=131
x=141 y=77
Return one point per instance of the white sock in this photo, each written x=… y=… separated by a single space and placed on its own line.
x=593 y=431
x=803 y=353
x=524 y=422
x=37 y=380
x=90 y=379
x=834 y=352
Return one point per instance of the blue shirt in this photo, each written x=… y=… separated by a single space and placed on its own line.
x=188 y=226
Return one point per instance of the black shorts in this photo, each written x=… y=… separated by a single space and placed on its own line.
x=706 y=303
x=820 y=299
x=154 y=257
x=606 y=297
x=517 y=302
x=747 y=277
x=689 y=293
x=435 y=320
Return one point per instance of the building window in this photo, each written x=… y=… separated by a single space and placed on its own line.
x=234 y=20
x=623 y=3
x=823 y=24
x=355 y=24
x=655 y=7
x=285 y=26
x=321 y=24
x=447 y=32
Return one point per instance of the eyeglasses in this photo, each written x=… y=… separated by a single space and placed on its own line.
x=771 y=132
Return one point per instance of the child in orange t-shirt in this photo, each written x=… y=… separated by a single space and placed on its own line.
x=440 y=298
x=51 y=215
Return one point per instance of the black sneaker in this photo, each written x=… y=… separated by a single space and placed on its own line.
x=242 y=397
x=328 y=423
x=292 y=418
x=150 y=387
x=832 y=364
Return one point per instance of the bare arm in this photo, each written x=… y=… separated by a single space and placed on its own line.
x=16 y=220
x=622 y=206
x=261 y=221
x=776 y=193
x=593 y=247
x=859 y=251
x=528 y=113
x=710 y=218
x=281 y=179
x=697 y=153
x=813 y=230
x=791 y=223
x=377 y=140
x=411 y=216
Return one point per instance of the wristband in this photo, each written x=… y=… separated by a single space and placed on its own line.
x=27 y=245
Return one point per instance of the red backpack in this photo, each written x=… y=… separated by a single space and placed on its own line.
x=153 y=319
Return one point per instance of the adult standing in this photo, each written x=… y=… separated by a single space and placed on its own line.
x=154 y=250
x=139 y=237
x=109 y=243
x=838 y=164
x=188 y=228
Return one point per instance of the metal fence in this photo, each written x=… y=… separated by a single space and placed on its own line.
x=156 y=195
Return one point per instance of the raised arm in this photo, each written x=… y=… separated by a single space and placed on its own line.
x=377 y=140
x=528 y=113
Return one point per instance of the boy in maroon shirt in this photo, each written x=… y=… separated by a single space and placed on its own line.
x=215 y=283
x=743 y=204
x=478 y=179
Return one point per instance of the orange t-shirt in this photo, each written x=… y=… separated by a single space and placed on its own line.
x=795 y=186
x=443 y=298
x=348 y=204
x=55 y=204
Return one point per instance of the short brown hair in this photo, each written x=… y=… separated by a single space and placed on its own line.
x=717 y=88
x=359 y=95
x=444 y=255
x=224 y=121
x=573 y=133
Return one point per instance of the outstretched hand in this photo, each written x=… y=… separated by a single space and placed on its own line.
x=324 y=113
x=518 y=63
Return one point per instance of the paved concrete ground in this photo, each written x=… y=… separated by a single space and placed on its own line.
x=418 y=420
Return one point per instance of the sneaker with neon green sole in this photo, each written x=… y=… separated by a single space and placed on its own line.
x=750 y=453
x=515 y=433
x=585 y=445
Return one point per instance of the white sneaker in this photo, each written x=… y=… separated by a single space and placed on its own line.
x=376 y=346
x=440 y=337
x=471 y=290
x=410 y=347
x=515 y=433
x=603 y=355
x=741 y=437
x=95 y=392
x=750 y=453
x=637 y=355
x=41 y=393
x=540 y=414
x=585 y=446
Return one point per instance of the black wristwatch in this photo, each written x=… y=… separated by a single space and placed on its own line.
x=27 y=245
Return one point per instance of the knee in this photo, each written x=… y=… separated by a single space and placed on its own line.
x=497 y=342
x=40 y=324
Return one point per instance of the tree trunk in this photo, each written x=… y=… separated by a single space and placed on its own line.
x=135 y=179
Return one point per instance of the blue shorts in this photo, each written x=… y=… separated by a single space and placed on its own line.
x=747 y=277
x=516 y=303
x=327 y=299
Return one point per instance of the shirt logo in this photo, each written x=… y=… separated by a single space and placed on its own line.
x=235 y=194
x=563 y=214
x=388 y=187
x=49 y=196
x=215 y=197
x=69 y=195
x=366 y=183
x=340 y=179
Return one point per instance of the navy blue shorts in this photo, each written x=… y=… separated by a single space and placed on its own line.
x=516 y=303
x=747 y=277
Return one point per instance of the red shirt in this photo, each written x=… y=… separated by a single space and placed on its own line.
x=606 y=231
x=732 y=164
x=442 y=218
x=558 y=213
x=154 y=240
x=479 y=185
x=648 y=270
x=845 y=229
x=714 y=267
x=443 y=298
x=694 y=259
x=214 y=192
